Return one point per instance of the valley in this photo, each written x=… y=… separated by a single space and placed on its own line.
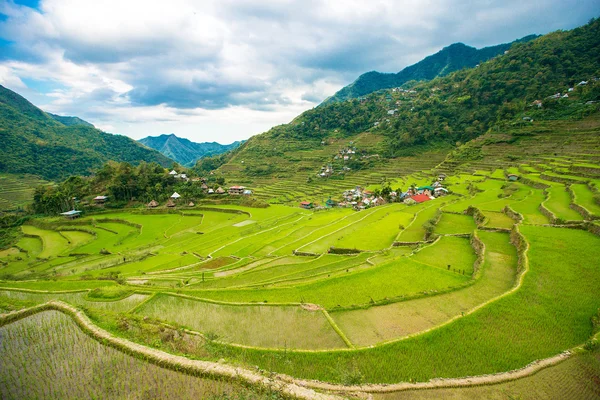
x=431 y=234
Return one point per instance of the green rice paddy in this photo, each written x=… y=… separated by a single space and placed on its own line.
x=336 y=293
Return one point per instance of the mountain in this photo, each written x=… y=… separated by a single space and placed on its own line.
x=69 y=121
x=452 y=58
x=184 y=151
x=440 y=113
x=36 y=143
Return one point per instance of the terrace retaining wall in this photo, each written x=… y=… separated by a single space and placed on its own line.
x=479 y=248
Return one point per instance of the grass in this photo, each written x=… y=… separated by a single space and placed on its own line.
x=498 y=220
x=550 y=313
x=53 y=243
x=376 y=232
x=401 y=277
x=415 y=232
x=378 y=324
x=573 y=379
x=264 y=326
x=455 y=223
x=558 y=202
x=78 y=299
x=585 y=198
x=69 y=364
x=449 y=253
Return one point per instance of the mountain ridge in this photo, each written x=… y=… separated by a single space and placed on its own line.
x=69 y=121
x=449 y=59
x=34 y=142
x=444 y=112
x=185 y=151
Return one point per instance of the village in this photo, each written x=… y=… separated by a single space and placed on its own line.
x=360 y=199
x=173 y=201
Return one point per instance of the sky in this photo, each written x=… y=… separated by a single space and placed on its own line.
x=225 y=70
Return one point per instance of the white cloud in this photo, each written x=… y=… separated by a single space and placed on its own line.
x=227 y=69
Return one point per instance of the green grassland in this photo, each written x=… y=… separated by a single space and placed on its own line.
x=450 y=224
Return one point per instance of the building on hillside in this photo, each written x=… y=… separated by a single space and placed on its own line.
x=513 y=177
x=420 y=198
x=152 y=204
x=210 y=191
x=330 y=203
x=71 y=214
x=247 y=192
x=537 y=103
x=175 y=195
x=204 y=186
x=441 y=177
x=170 y=203
x=100 y=199
x=220 y=190
x=440 y=191
x=191 y=204
x=173 y=173
x=237 y=190
x=306 y=204
x=426 y=190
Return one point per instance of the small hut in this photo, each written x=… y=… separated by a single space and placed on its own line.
x=71 y=214
x=153 y=204
x=100 y=199
x=513 y=177
x=210 y=191
x=170 y=203
x=220 y=190
x=191 y=204
x=175 y=196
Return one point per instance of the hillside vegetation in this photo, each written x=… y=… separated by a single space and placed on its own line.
x=435 y=114
x=452 y=58
x=35 y=143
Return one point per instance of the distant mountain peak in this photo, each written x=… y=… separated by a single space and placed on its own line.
x=449 y=59
x=183 y=150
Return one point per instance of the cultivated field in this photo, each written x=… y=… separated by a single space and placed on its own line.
x=488 y=279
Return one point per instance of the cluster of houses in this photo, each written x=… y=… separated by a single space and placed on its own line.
x=359 y=198
x=559 y=95
x=233 y=190
x=177 y=175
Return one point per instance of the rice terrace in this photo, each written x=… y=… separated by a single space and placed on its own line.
x=339 y=263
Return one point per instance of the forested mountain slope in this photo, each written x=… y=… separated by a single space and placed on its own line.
x=452 y=58
x=455 y=108
x=184 y=151
x=34 y=142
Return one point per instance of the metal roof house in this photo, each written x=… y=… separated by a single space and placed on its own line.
x=71 y=214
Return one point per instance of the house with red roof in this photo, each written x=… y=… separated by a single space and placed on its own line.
x=420 y=198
